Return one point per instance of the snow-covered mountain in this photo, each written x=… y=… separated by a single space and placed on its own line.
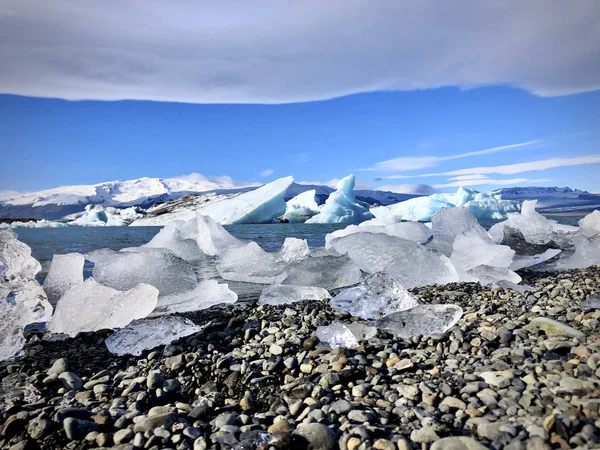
x=555 y=199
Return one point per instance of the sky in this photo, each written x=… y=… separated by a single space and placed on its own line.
x=413 y=97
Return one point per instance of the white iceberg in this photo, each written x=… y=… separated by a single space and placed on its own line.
x=146 y=334
x=301 y=208
x=377 y=296
x=100 y=216
x=328 y=272
x=342 y=206
x=422 y=320
x=65 y=271
x=285 y=294
x=208 y=293
x=90 y=306
x=43 y=223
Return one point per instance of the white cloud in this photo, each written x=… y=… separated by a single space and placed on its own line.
x=266 y=173
x=510 y=169
x=415 y=189
x=491 y=182
x=406 y=163
x=269 y=51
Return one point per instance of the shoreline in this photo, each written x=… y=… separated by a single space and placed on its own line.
x=257 y=376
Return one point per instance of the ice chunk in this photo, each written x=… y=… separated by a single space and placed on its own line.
x=411 y=231
x=261 y=205
x=408 y=263
x=65 y=271
x=251 y=264
x=534 y=227
x=284 y=294
x=34 y=224
x=301 y=208
x=361 y=332
x=90 y=306
x=449 y=223
x=294 y=249
x=487 y=275
x=377 y=296
x=586 y=254
x=124 y=270
x=171 y=237
x=520 y=262
x=210 y=236
x=16 y=261
x=98 y=215
x=146 y=334
x=422 y=320
x=328 y=272
x=337 y=335
x=208 y=293
x=342 y=206
x=473 y=248
x=590 y=225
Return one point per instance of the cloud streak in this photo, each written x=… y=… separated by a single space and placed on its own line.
x=488 y=181
x=269 y=51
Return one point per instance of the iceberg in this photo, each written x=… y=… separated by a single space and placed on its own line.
x=294 y=249
x=210 y=236
x=301 y=208
x=126 y=269
x=483 y=205
x=100 y=216
x=251 y=264
x=408 y=263
x=34 y=224
x=146 y=334
x=328 y=272
x=422 y=320
x=208 y=293
x=90 y=306
x=342 y=206
x=65 y=271
x=377 y=296
x=285 y=294
x=411 y=231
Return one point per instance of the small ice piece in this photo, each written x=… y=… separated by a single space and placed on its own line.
x=377 y=296
x=411 y=231
x=422 y=320
x=65 y=272
x=534 y=227
x=337 y=335
x=90 y=306
x=294 y=249
x=521 y=289
x=449 y=223
x=327 y=272
x=586 y=254
x=285 y=294
x=361 y=332
x=590 y=225
x=146 y=334
x=124 y=270
x=408 y=263
x=487 y=275
x=474 y=248
x=301 y=208
x=521 y=262
x=591 y=303
x=341 y=206
x=208 y=293
x=172 y=238
x=251 y=264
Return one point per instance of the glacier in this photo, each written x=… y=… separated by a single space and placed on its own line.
x=483 y=205
x=301 y=208
x=342 y=206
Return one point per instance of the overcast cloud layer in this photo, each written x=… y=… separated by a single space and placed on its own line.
x=276 y=51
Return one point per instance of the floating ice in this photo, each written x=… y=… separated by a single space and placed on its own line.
x=285 y=294
x=422 y=320
x=484 y=205
x=90 y=306
x=259 y=206
x=337 y=335
x=146 y=334
x=294 y=249
x=208 y=293
x=328 y=272
x=377 y=296
x=301 y=208
x=98 y=215
x=342 y=206
x=251 y=264
x=521 y=262
x=408 y=263
x=411 y=231
x=34 y=224
x=124 y=270
x=65 y=272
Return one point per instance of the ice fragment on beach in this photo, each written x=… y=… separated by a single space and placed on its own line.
x=327 y=272
x=302 y=207
x=65 y=271
x=124 y=270
x=521 y=289
x=408 y=263
x=251 y=264
x=208 y=293
x=337 y=335
x=284 y=294
x=341 y=206
x=474 y=248
x=586 y=254
x=377 y=296
x=447 y=224
x=487 y=275
x=521 y=262
x=171 y=237
x=534 y=227
x=210 y=236
x=90 y=306
x=590 y=225
x=411 y=231
x=422 y=320
x=294 y=249
x=146 y=334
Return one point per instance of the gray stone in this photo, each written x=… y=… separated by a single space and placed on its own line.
x=341 y=407
x=38 y=428
x=318 y=435
x=150 y=423
x=457 y=443
x=77 y=429
x=122 y=436
x=424 y=435
x=59 y=366
x=71 y=381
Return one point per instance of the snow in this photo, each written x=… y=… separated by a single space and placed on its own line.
x=206 y=294
x=65 y=272
x=483 y=205
x=301 y=208
x=282 y=294
x=378 y=295
x=146 y=334
x=342 y=206
x=422 y=320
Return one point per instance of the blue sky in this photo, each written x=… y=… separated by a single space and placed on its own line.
x=274 y=92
